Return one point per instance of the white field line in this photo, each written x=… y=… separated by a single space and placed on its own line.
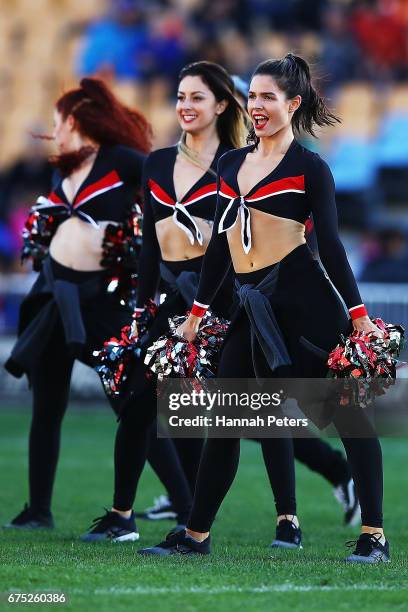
x=278 y=588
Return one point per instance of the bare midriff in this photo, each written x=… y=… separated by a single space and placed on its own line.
x=174 y=243
x=78 y=244
x=272 y=239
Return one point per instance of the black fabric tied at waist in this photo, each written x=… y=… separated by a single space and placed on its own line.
x=65 y=300
x=264 y=327
x=186 y=283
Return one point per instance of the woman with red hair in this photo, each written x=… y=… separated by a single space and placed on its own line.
x=69 y=312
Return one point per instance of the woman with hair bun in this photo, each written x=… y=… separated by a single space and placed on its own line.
x=289 y=314
x=69 y=312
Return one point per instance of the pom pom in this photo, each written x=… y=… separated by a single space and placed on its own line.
x=172 y=355
x=121 y=248
x=369 y=359
x=113 y=361
x=38 y=231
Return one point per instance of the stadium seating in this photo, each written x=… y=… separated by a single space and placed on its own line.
x=37 y=50
x=392 y=156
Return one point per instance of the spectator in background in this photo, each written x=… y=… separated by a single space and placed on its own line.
x=115 y=43
x=7 y=249
x=277 y=14
x=21 y=183
x=165 y=51
x=381 y=34
x=390 y=263
x=339 y=57
x=213 y=18
x=28 y=175
x=309 y=17
x=238 y=55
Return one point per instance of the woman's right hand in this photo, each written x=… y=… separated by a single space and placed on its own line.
x=189 y=328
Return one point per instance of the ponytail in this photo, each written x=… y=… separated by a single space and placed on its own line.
x=103 y=118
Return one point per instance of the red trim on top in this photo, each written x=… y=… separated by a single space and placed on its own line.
x=109 y=180
x=289 y=183
x=203 y=191
x=357 y=312
x=160 y=193
x=54 y=198
x=227 y=190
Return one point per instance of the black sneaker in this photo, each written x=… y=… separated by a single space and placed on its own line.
x=178 y=543
x=346 y=495
x=31 y=519
x=368 y=549
x=287 y=535
x=113 y=527
x=162 y=509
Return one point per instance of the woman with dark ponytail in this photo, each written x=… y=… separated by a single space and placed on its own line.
x=289 y=315
x=69 y=311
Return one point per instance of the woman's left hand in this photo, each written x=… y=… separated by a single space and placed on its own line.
x=364 y=324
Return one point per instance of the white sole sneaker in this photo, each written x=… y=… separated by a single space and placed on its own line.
x=129 y=537
x=157 y=516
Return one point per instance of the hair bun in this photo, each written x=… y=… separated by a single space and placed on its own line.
x=96 y=90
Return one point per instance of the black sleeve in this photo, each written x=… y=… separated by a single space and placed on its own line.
x=130 y=165
x=217 y=259
x=321 y=191
x=150 y=256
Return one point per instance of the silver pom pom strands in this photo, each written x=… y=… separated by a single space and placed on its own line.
x=172 y=355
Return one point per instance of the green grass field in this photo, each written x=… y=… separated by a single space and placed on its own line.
x=241 y=574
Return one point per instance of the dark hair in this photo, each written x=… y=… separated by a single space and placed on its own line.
x=100 y=116
x=230 y=124
x=292 y=75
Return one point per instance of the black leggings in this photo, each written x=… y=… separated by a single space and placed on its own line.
x=178 y=471
x=180 y=456
x=176 y=461
x=50 y=381
x=320 y=457
x=221 y=456
x=177 y=477
x=50 y=386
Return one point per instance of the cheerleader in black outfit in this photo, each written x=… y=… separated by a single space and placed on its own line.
x=296 y=315
x=177 y=193
x=179 y=208
x=69 y=312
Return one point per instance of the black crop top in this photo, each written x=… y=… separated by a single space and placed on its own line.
x=299 y=186
x=160 y=202
x=106 y=194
